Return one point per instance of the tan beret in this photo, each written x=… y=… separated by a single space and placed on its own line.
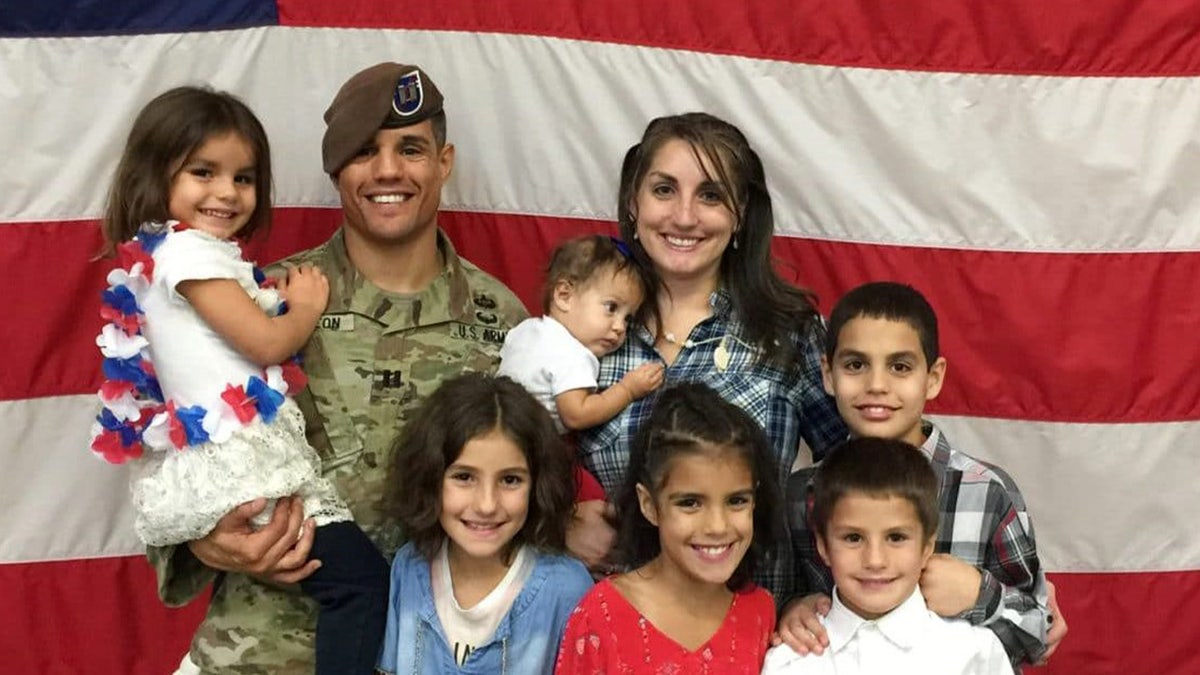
x=384 y=96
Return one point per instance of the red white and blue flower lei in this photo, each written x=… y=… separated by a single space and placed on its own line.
x=135 y=416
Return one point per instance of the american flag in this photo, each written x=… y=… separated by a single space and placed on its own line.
x=1033 y=166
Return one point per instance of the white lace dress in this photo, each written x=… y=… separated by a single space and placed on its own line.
x=206 y=429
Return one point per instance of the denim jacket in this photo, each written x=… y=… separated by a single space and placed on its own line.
x=525 y=643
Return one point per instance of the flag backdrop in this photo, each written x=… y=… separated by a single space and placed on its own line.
x=1032 y=165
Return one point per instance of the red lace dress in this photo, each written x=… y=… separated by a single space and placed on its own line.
x=607 y=636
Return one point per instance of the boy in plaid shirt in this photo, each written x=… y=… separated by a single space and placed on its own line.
x=881 y=364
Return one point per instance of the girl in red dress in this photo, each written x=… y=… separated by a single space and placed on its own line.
x=697 y=513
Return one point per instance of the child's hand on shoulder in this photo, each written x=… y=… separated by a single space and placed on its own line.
x=643 y=379
x=306 y=289
x=800 y=625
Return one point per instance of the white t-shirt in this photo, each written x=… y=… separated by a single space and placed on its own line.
x=909 y=640
x=469 y=628
x=541 y=355
x=192 y=362
x=179 y=496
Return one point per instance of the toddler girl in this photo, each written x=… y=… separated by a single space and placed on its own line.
x=482 y=485
x=198 y=357
x=697 y=513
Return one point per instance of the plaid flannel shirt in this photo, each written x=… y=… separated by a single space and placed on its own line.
x=983 y=521
x=789 y=404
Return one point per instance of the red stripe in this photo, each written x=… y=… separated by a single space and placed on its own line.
x=1070 y=338
x=1111 y=37
x=90 y=616
x=52 y=309
x=1128 y=624
x=102 y=617
x=1038 y=336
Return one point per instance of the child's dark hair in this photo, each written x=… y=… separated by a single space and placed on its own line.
x=464 y=408
x=165 y=132
x=577 y=261
x=877 y=467
x=691 y=418
x=886 y=300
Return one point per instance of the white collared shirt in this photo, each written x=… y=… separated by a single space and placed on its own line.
x=909 y=640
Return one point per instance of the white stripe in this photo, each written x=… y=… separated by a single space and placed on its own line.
x=58 y=502
x=1103 y=497
x=939 y=159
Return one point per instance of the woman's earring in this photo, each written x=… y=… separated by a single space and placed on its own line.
x=635 y=235
x=735 y=241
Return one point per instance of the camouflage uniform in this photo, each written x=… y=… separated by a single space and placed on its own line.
x=373 y=358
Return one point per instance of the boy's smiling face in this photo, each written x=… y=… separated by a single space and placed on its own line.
x=876 y=549
x=880 y=379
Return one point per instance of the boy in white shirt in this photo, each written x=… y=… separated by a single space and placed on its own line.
x=875 y=515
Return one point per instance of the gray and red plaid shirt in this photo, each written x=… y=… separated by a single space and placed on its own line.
x=789 y=404
x=983 y=521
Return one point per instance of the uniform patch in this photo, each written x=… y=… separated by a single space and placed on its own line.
x=337 y=322
x=485 y=301
x=409 y=95
x=468 y=331
x=389 y=379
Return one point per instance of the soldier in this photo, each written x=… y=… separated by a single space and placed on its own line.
x=405 y=313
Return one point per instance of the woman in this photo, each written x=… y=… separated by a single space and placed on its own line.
x=695 y=211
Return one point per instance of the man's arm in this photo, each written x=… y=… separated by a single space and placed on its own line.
x=276 y=553
x=181 y=577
